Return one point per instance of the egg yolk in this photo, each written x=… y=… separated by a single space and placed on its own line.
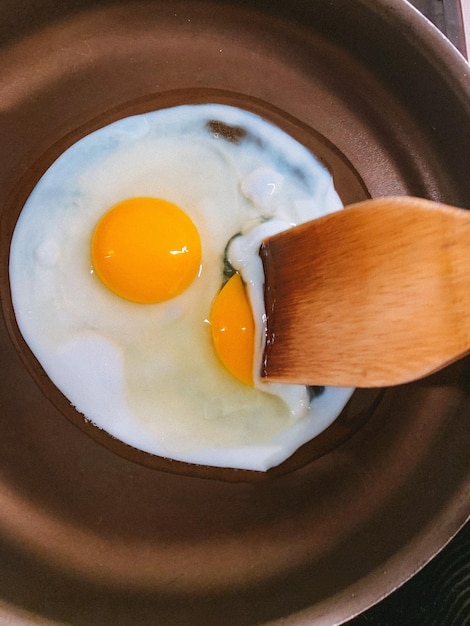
x=233 y=329
x=146 y=250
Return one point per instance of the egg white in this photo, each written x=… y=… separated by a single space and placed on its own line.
x=148 y=374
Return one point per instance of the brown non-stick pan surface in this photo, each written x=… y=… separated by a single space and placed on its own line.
x=93 y=533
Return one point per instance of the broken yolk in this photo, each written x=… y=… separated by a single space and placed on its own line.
x=233 y=331
x=146 y=250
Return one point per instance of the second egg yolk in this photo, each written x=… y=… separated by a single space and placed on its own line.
x=146 y=250
x=233 y=329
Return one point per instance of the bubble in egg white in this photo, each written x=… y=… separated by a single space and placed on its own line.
x=148 y=374
x=261 y=187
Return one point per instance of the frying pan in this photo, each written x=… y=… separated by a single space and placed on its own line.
x=92 y=532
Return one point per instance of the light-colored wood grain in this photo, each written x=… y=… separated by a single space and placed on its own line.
x=375 y=295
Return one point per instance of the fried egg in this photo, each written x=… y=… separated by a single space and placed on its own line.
x=118 y=269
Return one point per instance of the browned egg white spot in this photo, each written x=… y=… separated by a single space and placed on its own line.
x=234 y=134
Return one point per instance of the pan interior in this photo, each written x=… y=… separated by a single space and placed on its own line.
x=89 y=536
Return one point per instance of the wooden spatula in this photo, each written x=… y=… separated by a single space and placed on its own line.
x=377 y=294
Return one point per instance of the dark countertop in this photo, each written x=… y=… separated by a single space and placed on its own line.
x=447 y=16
